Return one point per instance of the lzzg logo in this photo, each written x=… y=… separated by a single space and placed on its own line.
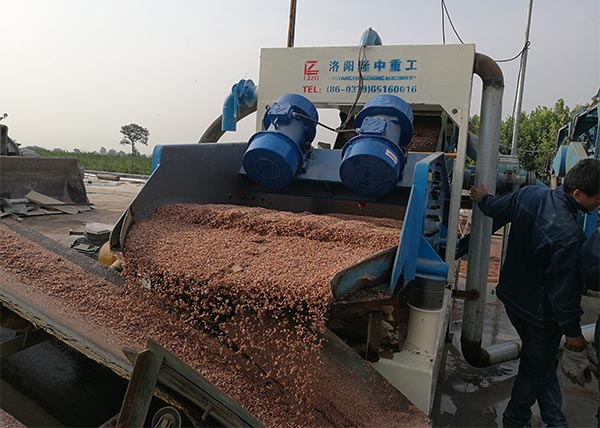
x=311 y=72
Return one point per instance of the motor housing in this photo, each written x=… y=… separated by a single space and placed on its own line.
x=276 y=155
x=373 y=160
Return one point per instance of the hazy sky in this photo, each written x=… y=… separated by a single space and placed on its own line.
x=72 y=72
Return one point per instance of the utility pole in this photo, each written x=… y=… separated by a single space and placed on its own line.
x=292 y=24
x=517 y=118
x=521 y=80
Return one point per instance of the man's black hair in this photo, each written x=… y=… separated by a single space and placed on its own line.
x=584 y=176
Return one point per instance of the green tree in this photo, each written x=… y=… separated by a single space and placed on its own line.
x=134 y=134
x=537 y=135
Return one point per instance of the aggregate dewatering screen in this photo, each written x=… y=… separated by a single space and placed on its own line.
x=240 y=294
x=257 y=282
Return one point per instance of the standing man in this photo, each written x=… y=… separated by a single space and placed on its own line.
x=540 y=282
x=590 y=268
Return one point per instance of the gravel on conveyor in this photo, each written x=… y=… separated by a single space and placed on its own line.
x=7 y=421
x=424 y=140
x=241 y=295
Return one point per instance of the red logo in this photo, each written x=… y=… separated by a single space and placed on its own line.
x=309 y=68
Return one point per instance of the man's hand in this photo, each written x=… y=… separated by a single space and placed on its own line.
x=576 y=366
x=478 y=192
x=576 y=344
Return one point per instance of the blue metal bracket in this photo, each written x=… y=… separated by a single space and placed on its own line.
x=156 y=155
x=422 y=228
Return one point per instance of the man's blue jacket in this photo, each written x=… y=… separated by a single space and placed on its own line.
x=590 y=261
x=541 y=278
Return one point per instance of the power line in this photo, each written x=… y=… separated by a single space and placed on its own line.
x=517 y=55
x=443 y=22
x=444 y=8
x=362 y=58
x=446 y=13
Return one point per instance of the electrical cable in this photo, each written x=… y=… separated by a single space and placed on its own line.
x=445 y=12
x=337 y=130
x=518 y=82
x=340 y=129
x=451 y=23
x=443 y=22
x=361 y=53
x=517 y=55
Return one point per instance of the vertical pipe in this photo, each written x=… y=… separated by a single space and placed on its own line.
x=522 y=67
x=455 y=195
x=291 y=24
x=481 y=228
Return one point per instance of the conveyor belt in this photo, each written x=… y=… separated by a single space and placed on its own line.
x=84 y=262
x=12 y=296
x=28 y=294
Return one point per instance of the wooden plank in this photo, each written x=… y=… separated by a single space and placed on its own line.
x=44 y=200
x=140 y=390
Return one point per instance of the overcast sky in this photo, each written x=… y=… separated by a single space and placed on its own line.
x=73 y=71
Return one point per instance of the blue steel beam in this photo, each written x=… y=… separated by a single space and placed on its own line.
x=416 y=255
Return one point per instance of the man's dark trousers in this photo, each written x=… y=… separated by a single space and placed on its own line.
x=536 y=379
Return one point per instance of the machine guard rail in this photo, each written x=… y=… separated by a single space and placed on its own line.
x=430 y=186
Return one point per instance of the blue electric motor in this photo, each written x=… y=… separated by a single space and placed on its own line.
x=373 y=160
x=275 y=156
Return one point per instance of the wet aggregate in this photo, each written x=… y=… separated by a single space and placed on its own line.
x=7 y=421
x=241 y=294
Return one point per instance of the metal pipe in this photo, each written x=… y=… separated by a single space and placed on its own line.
x=241 y=102
x=517 y=118
x=291 y=24
x=510 y=350
x=521 y=79
x=481 y=229
x=472 y=145
x=230 y=110
x=214 y=132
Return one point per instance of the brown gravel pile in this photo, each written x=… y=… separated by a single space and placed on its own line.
x=7 y=421
x=236 y=294
x=424 y=140
x=118 y=317
x=257 y=279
